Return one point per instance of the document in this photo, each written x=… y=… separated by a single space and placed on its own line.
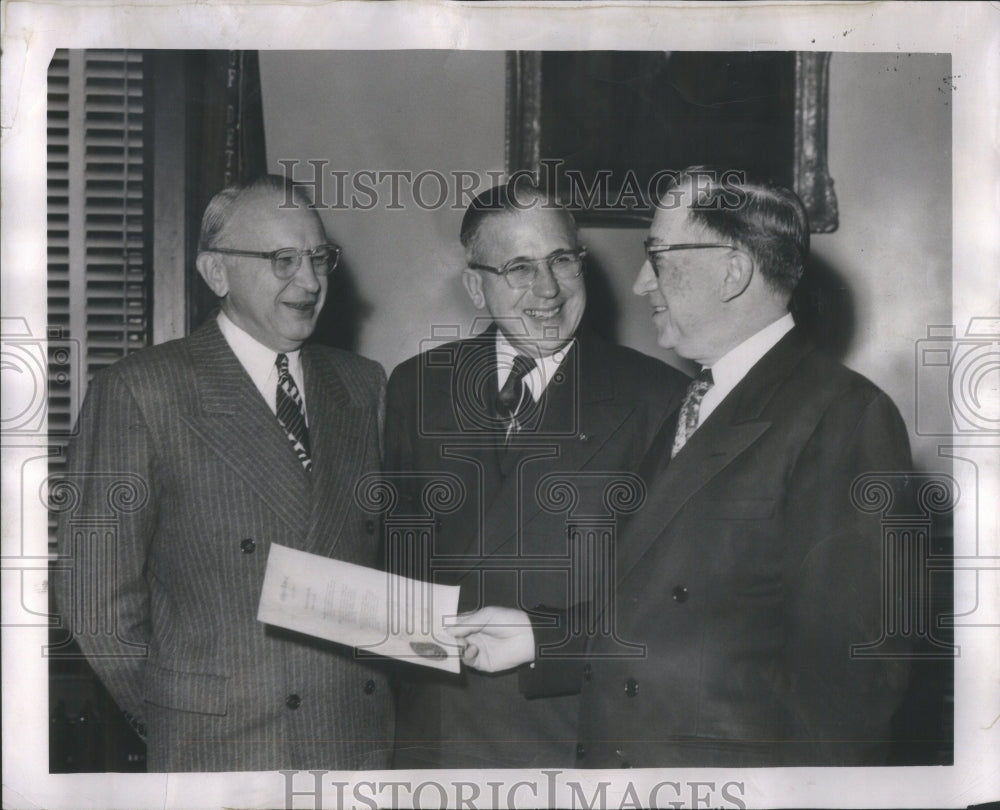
x=372 y=611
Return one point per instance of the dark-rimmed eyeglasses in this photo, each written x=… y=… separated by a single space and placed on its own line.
x=654 y=249
x=285 y=262
x=565 y=265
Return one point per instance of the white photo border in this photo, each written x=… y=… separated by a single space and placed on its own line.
x=969 y=31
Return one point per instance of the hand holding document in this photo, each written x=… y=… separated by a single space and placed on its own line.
x=497 y=638
x=370 y=610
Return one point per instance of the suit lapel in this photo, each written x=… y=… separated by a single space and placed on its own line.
x=735 y=426
x=472 y=392
x=601 y=413
x=580 y=416
x=338 y=431
x=696 y=465
x=732 y=429
x=235 y=422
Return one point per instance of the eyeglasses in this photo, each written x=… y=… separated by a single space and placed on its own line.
x=520 y=274
x=654 y=249
x=285 y=262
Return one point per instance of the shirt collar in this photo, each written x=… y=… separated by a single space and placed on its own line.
x=733 y=366
x=254 y=356
x=536 y=379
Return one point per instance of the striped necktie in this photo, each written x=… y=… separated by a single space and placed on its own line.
x=688 y=420
x=291 y=415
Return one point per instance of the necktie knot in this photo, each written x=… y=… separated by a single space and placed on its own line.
x=687 y=421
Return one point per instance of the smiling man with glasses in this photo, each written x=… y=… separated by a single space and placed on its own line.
x=235 y=437
x=534 y=394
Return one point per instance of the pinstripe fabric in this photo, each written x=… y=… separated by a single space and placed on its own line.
x=188 y=563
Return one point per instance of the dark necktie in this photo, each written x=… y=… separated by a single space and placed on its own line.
x=291 y=415
x=511 y=400
x=688 y=420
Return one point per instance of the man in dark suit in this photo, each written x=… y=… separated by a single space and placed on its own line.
x=753 y=570
x=523 y=414
x=231 y=439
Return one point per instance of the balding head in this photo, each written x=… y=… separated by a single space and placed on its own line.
x=243 y=225
x=260 y=193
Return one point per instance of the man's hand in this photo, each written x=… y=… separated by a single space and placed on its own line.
x=495 y=638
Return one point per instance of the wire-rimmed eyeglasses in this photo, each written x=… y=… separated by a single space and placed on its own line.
x=285 y=262
x=520 y=274
x=654 y=248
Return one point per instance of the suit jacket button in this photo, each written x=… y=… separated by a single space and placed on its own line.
x=679 y=594
x=583 y=437
x=293 y=701
x=588 y=670
x=369 y=687
x=581 y=751
x=247 y=546
x=631 y=687
x=370 y=527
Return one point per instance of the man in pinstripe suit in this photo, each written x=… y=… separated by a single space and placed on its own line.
x=234 y=437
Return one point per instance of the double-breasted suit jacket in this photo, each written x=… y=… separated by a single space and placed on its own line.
x=748 y=578
x=216 y=483
x=507 y=542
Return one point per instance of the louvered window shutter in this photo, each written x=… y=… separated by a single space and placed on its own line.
x=99 y=279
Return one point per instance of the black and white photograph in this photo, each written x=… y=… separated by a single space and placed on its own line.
x=500 y=405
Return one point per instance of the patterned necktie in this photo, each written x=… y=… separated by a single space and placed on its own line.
x=688 y=420
x=291 y=415
x=510 y=399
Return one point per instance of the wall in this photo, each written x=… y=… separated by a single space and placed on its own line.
x=391 y=110
x=887 y=268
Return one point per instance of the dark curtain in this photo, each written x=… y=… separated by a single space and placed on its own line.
x=225 y=144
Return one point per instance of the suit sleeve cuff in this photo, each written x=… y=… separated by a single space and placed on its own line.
x=558 y=665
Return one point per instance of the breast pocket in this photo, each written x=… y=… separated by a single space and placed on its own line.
x=186 y=691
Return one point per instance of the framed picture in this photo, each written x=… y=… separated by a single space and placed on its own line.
x=607 y=128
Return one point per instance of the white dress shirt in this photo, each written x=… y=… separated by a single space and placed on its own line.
x=733 y=366
x=539 y=376
x=259 y=363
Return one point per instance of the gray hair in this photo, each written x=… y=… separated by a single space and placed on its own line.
x=767 y=220
x=221 y=207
